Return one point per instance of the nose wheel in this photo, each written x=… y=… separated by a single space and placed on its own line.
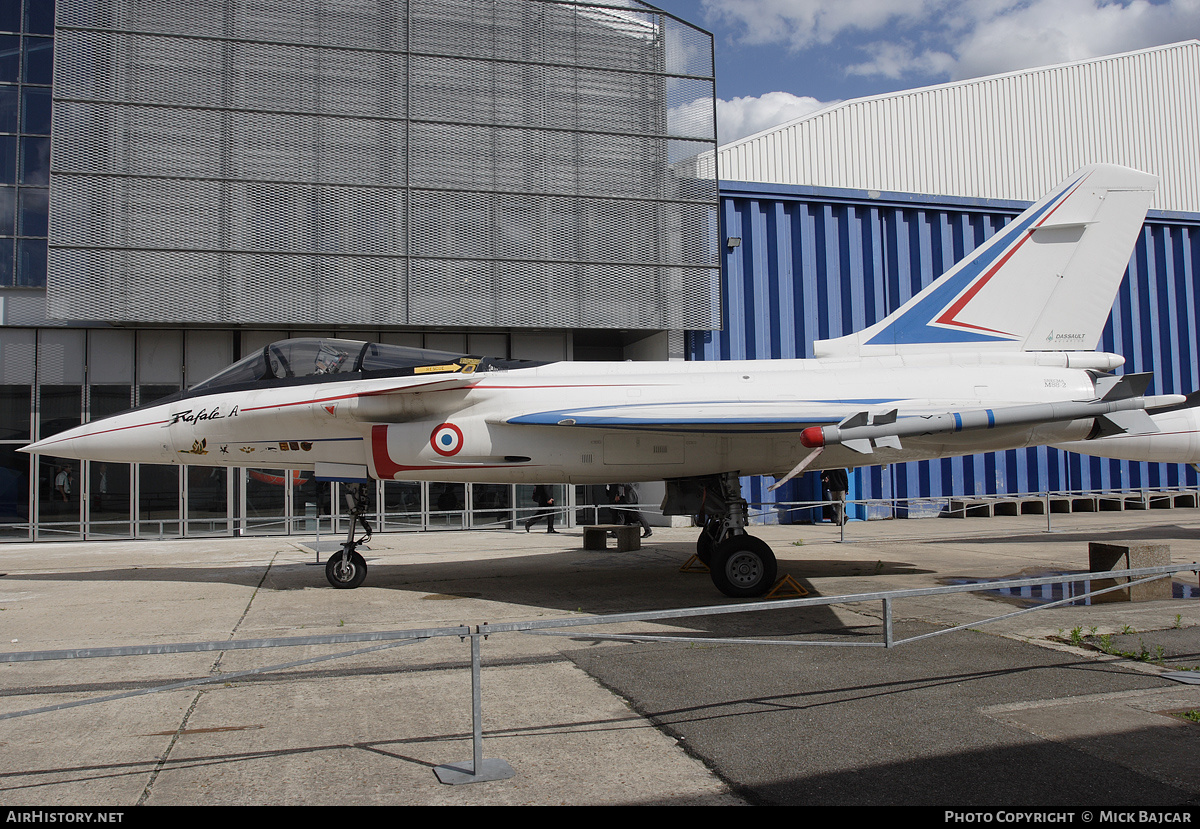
x=347 y=569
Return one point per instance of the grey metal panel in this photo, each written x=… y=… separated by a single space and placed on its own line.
x=1010 y=136
x=382 y=162
x=814 y=263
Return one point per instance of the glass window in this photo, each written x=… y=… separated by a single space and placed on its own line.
x=39 y=60
x=14 y=412
x=108 y=488
x=109 y=482
x=10 y=15
x=110 y=363
x=35 y=160
x=6 y=262
x=311 y=499
x=10 y=58
x=14 y=491
x=60 y=356
x=109 y=400
x=266 y=498
x=60 y=408
x=9 y=108
x=34 y=206
x=35 y=111
x=58 y=498
x=158 y=500
x=153 y=393
x=8 y=211
x=207 y=503
x=31 y=262
x=18 y=351
x=491 y=505
x=205 y=352
x=39 y=17
x=529 y=502
x=8 y=159
x=59 y=480
x=402 y=505
x=447 y=503
x=160 y=358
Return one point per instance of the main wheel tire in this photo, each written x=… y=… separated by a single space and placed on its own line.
x=707 y=542
x=346 y=574
x=743 y=567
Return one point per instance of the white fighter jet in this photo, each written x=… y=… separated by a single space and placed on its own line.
x=995 y=354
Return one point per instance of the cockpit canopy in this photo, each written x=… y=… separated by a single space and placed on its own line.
x=319 y=358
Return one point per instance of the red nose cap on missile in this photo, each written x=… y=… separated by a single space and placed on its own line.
x=812 y=437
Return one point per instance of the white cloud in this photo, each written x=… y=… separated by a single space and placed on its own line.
x=955 y=39
x=1043 y=32
x=801 y=23
x=746 y=116
x=895 y=60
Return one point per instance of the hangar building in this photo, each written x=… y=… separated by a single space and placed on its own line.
x=834 y=220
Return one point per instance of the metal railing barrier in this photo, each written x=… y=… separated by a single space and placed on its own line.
x=478 y=769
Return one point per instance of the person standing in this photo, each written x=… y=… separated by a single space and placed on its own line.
x=632 y=514
x=615 y=495
x=543 y=498
x=101 y=488
x=837 y=482
x=62 y=484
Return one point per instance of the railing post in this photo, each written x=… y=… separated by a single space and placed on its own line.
x=477 y=770
x=887 y=623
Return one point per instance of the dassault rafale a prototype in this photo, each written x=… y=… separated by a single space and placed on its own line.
x=998 y=353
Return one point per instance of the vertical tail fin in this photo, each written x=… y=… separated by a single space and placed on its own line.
x=1045 y=282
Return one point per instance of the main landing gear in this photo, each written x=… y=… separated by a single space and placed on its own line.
x=347 y=569
x=741 y=565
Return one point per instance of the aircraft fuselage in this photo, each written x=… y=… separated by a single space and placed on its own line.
x=591 y=422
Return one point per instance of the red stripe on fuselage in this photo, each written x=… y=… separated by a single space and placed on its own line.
x=385 y=467
x=58 y=439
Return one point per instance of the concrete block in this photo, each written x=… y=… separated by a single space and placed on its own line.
x=595 y=537
x=1103 y=556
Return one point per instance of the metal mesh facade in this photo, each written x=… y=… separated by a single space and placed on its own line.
x=508 y=163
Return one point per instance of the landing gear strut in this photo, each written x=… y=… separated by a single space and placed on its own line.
x=742 y=566
x=347 y=569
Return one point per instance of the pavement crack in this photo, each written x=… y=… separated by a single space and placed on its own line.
x=166 y=755
x=215 y=668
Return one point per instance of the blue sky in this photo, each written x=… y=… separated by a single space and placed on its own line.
x=781 y=59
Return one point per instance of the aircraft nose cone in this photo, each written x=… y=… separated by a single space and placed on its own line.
x=74 y=443
x=127 y=438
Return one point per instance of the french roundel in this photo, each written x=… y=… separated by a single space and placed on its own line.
x=446 y=439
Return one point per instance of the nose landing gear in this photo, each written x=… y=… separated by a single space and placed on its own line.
x=347 y=569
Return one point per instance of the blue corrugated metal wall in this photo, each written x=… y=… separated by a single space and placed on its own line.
x=814 y=263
